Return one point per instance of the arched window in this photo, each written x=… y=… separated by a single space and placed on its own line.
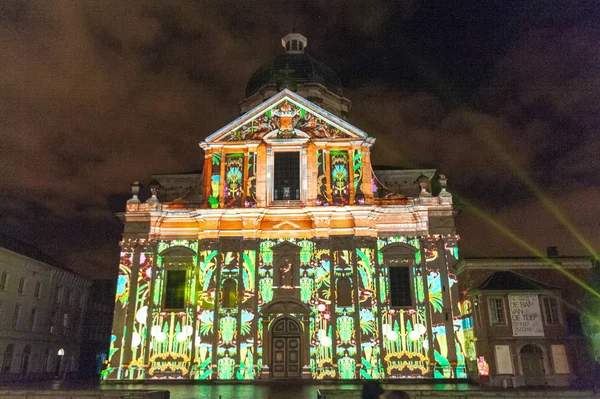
x=344 y=292
x=25 y=359
x=8 y=357
x=229 y=294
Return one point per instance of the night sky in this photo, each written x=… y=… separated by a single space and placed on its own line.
x=97 y=94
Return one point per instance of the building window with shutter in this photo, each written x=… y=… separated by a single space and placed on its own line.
x=15 y=320
x=551 y=313
x=400 y=286
x=58 y=294
x=21 y=290
x=32 y=317
x=497 y=313
x=3 y=280
x=38 y=290
x=175 y=289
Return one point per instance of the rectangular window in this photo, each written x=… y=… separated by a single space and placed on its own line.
x=497 y=313
x=3 y=280
x=21 y=286
x=286 y=183
x=32 y=319
x=38 y=290
x=175 y=289
x=65 y=323
x=15 y=320
x=58 y=295
x=551 y=311
x=400 y=286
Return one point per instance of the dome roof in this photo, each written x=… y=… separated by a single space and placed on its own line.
x=294 y=67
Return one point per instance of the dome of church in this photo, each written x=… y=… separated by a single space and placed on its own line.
x=293 y=67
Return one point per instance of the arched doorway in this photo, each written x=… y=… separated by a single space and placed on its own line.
x=285 y=352
x=532 y=360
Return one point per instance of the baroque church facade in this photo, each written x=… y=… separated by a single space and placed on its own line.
x=287 y=257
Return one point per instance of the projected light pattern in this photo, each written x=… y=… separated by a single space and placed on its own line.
x=340 y=177
x=139 y=336
x=322 y=192
x=250 y=201
x=215 y=180
x=117 y=340
x=321 y=337
x=205 y=315
x=352 y=330
x=372 y=367
x=345 y=326
x=359 y=197
x=227 y=349
x=233 y=187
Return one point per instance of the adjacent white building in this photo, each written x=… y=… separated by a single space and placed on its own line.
x=41 y=314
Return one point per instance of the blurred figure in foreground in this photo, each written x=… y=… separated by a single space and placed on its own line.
x=372 y=390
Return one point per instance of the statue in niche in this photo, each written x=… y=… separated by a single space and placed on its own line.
x=286 y=275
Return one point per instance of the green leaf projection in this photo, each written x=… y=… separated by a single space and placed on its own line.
x=215 y=180
x=340 y=175
x=233 y=189
x=349 y=328
x=250 y=201
x=359 y=196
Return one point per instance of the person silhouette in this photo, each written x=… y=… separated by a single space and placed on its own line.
x=372 y=390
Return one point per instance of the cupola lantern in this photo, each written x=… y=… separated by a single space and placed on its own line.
x=294 y=43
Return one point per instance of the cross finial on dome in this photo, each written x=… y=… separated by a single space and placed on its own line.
x=294 y=43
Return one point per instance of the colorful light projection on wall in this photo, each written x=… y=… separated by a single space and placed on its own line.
x=140 y=331
x=345 y=312
x=205 y=315
x=172 y=329
x=215 y=180
x=119 y=333
x=321 y=337
x=340 y=178
x=353 y=330
x=370 y=348
x=285 y=117
x=250 y=201
x=322 y=195
x=359 y=197
x=233 y=189
x=404 y=331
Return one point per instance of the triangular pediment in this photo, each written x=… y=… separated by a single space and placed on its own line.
x=287 y=115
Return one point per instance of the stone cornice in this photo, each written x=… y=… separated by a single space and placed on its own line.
x=522 y=263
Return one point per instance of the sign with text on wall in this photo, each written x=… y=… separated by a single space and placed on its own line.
x=525 y=316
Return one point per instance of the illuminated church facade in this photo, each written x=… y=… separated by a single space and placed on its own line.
x=286 y=258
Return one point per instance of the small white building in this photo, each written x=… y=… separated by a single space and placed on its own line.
x=41 y=314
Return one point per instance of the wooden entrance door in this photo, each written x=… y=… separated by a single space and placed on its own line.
x=285 y=349
x=532 y=360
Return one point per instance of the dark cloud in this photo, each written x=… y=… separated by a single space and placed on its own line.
x=97 y=94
